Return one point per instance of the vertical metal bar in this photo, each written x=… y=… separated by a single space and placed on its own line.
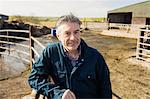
x=141 y=40
x=137 y=48
x=8 y=44
x=30 y=46
x=32 y=43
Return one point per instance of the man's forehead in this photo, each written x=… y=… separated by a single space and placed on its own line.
x=68 y=26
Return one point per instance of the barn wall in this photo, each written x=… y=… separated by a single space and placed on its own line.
x=139 y=20
x=123 y=18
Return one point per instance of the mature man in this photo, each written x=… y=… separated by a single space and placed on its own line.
x=78 y=71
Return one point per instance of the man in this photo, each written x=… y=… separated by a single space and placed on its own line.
x=78 y=71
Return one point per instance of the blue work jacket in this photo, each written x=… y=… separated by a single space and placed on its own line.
x=89 y=78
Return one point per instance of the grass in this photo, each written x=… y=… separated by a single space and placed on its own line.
x=93 y=19
x=48 y=21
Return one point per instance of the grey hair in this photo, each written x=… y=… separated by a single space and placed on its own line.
x=68 y=18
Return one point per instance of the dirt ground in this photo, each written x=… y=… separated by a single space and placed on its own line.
x=130 y=78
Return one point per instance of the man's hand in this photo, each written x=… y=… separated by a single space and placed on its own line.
x=68 y=95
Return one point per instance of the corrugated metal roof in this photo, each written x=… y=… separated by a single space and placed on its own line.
x=138 y=10
x=3 y=17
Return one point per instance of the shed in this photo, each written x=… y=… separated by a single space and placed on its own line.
x=3 y=17
x=138 y=13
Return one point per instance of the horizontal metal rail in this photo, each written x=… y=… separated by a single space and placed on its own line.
x=7 y=36
x=143 y=50
x=128 y=25
x=15 y=57
x=14 y=37
x=144 y=55
x=12 y=43
x=148 y=60
x=12 y=49
x=31 y=40
x=145 y=30
x=37 y=42
x=144 y=37
x=16 y=31
x=144 y=44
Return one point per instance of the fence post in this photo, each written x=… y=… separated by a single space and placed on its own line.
x=31 y=45
x=8 y=41
x=141 y=40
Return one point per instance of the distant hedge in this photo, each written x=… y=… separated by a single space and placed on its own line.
x=37 y=20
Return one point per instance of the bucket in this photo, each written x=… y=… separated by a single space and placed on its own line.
x=53 y=32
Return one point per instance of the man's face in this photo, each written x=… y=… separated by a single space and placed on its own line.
x=69 y=35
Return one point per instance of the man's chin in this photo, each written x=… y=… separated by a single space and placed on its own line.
x=72 y=48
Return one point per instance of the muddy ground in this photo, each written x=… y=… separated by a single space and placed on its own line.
x=130 y=78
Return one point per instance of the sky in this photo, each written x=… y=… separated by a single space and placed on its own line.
x=50 y=8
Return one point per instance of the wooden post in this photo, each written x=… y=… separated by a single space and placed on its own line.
x=31 y=45
x=108 y=23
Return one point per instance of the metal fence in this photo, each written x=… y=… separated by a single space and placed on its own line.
x=127 y=27
x=143 y=45
x=31 y=53
x=7 y=41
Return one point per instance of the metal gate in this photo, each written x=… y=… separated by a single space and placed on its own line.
x=143 y=45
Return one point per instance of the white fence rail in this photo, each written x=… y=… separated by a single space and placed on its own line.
x=143 y=45
x=127 y=26
x=30 y=53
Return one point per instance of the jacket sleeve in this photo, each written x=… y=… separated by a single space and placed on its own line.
x=104 y=78
x=38 y=78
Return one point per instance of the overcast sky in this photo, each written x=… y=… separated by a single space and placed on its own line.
x=80 y=8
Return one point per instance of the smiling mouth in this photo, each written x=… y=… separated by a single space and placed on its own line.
x=71 y=43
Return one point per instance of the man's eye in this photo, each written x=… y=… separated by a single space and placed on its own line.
x=76 y=32
x=67 y=33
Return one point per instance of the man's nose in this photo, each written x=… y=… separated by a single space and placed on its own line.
x=72 y=37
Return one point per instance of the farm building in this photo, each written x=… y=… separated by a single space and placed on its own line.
x=138 y=13
x=133 y=21
x=3 y=17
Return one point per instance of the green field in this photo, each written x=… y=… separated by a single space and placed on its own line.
x=38 y=20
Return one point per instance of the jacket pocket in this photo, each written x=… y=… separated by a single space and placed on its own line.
x=62 y=79
x=61 y=74
x=86 y=84
x=87 y=76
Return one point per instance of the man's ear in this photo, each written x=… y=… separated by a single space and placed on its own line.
x=57 y=35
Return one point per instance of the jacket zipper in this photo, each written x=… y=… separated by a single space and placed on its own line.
x=73 y=70
x=68 y=81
